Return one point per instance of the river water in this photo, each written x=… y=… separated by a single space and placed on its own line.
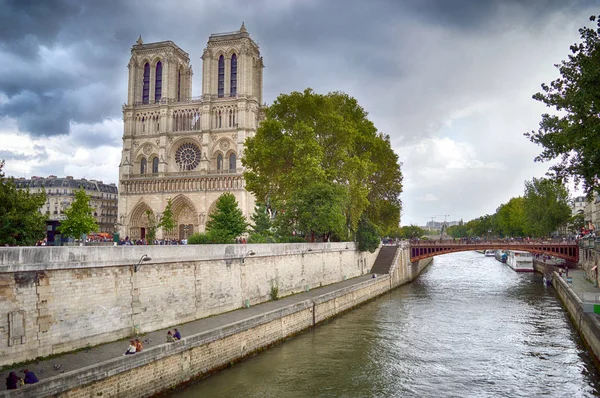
x=469 y=326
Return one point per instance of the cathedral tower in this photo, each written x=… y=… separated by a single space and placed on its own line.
x=186 y=148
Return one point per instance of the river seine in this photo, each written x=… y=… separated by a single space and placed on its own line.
x=469 y=326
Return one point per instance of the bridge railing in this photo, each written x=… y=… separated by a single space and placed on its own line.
x=494 y=242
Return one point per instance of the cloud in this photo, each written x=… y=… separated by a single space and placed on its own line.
x=450 y=82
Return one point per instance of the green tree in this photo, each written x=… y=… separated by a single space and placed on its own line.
x=573 y=135
x=79 y=217
x=165 y=221
x=366 y=236
x=412 y=232
x=21 y=223
x=576 y=223
x=311 y=146
x=261 y=227
x=227 y=221
x=546 y=206
x=510 y=218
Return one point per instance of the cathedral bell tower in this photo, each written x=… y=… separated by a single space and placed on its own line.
x=183 y=148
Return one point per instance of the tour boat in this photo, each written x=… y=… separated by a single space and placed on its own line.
x=520 y=261
x=489 y=253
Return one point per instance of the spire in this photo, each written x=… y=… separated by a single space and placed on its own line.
x=139 y=41
x=243 y=28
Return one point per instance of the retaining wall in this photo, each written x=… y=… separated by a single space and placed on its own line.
x=586 y=323
x=58 y=299
x=165 y=366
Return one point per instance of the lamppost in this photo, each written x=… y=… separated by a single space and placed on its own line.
x=143 y=258
x=248 y=253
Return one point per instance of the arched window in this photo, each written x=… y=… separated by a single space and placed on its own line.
x=232 y=161
x=143 y=166
x=146 y=89
x=158 y=82
x=155 y=166
x=220 y=162
x=221 y=81
x=233 y=81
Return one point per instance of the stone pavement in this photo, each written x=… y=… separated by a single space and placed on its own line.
x=581 y=286
x=72 y=361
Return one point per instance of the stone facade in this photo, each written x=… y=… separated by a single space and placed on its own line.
x=183 y=148
x=60 y=193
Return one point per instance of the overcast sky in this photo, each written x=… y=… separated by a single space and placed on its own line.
x=449 y=80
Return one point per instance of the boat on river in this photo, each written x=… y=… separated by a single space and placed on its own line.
x=501 y=256
x=489 y=253
x=519 y=260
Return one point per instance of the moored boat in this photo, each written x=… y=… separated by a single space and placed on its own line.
x=489 y=253
x=520 y=261
x=501 y=256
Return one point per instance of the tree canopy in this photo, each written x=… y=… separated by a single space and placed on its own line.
x=573 y=134
x=321 y=165
x=546 y=206
x=79 y=217
x=21 y=223
x=542 y=210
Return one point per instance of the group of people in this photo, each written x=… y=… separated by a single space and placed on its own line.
x=134 y=346
x=13 y=381
x=173 y=337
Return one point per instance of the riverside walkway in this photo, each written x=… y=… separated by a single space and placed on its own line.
x=59 y=367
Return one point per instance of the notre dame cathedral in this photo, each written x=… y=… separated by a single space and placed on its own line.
x=185 y=148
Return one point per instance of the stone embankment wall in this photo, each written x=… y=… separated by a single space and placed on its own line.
x=586 y=323
x=160 y=368
x=58 y=299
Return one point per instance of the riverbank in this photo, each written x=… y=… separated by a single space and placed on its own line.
x=586 y=323
x=208 y=344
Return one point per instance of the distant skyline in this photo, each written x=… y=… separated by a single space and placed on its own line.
x=449 y=81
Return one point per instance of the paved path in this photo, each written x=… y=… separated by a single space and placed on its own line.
x=91 y=356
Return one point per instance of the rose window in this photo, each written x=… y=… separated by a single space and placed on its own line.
x=187 y=156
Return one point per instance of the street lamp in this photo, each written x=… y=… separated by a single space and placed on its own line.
x=248 y=253
x=305 y=251
x=143 y=258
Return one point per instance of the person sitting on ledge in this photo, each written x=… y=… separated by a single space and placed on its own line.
x=138 y=345
x=12 y=381
x=170 y=338
x=177 y=335
x=131 y=349
x=30 y=377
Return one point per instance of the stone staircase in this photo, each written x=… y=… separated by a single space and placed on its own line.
x=385 y=260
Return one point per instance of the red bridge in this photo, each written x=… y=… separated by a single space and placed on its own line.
x=424 y=249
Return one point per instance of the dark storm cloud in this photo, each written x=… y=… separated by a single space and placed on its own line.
x=478 y=15
x=66 y=59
